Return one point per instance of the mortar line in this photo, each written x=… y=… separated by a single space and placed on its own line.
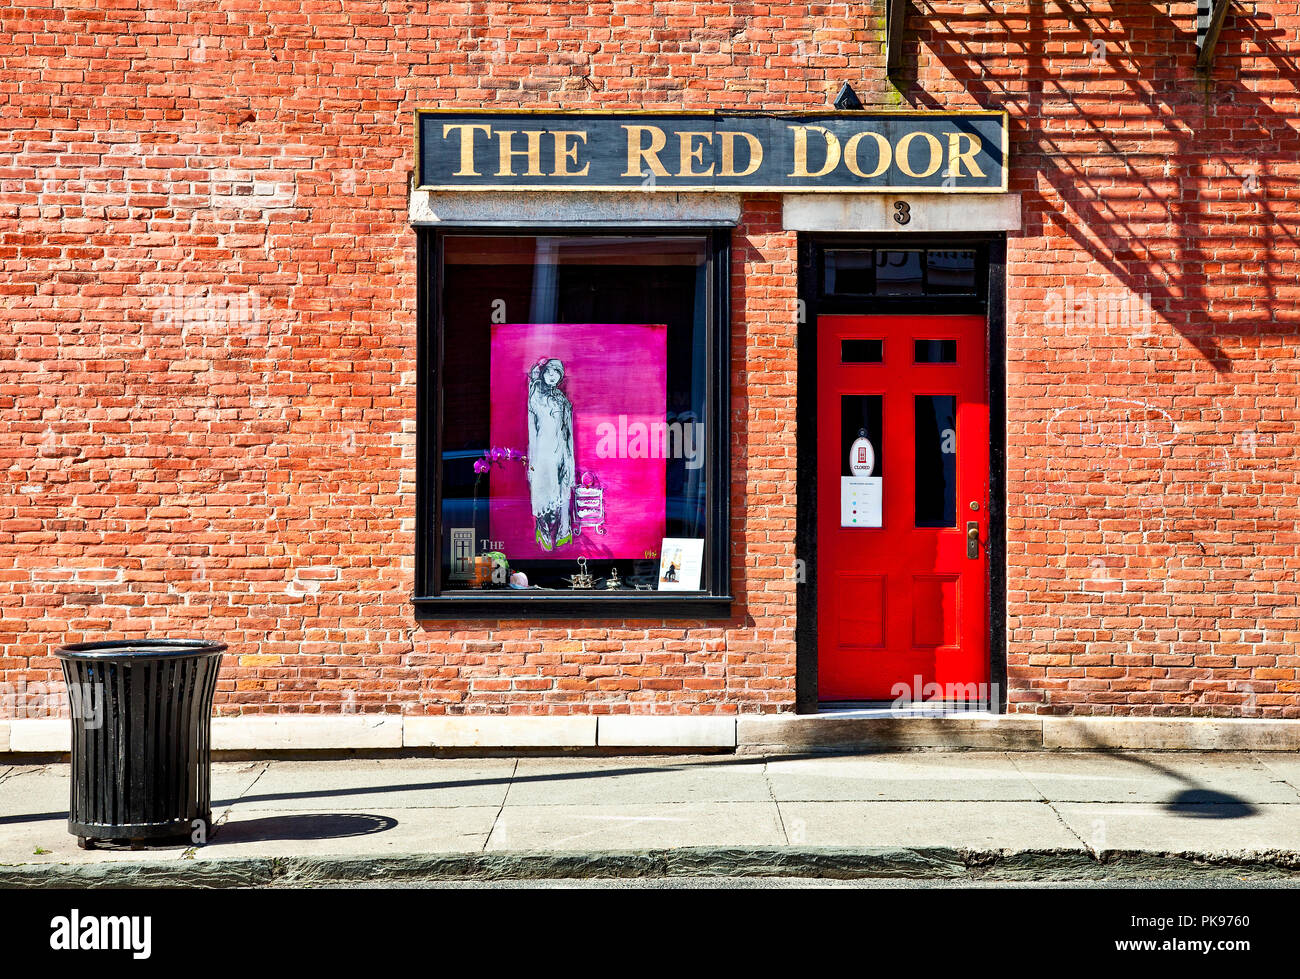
x=12 y=772
x=771 y=793
x=1262 y=761
x=500 y=809
x=225 y=813
x=1052 y=806
x=220 y=819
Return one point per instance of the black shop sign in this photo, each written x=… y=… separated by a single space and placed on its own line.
x=952 y=152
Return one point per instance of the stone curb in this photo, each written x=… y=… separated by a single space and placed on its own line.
x=838 y=863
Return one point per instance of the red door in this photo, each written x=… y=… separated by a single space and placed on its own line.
x=902 y=508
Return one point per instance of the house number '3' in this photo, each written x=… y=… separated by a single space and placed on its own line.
x=902 y=212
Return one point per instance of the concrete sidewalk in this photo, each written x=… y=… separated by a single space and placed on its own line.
x=976 y=815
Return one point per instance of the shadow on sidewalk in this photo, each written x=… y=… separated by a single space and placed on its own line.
x=304 y=826
x=1195 y=800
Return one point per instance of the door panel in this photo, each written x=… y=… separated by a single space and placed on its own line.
x=902 y=482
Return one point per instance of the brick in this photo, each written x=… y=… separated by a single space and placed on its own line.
x=162 y=478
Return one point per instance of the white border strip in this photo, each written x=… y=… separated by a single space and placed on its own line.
x=749 y=733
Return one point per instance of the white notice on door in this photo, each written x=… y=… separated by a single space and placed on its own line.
x=860 y=498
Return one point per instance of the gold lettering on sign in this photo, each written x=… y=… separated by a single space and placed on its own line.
x=637 y=155
x=936 y=153
x=957 y=158
x=466 y=132
x=532 y=153
x=801 y=151
x=566 y=154
x=692 y=153
x=839 y=153
x=728 y=139
x=884 y=155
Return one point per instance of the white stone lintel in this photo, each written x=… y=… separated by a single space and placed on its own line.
x=877 y=213
x=614 y=209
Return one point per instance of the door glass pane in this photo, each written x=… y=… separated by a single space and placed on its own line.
x=950 y=273
x=899 y=273
x=861 y=351
x=849 y=272
x=861 y=460
x=860 y=415
x=936 y=460
x=934 y=351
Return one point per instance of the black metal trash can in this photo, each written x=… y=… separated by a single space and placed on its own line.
x=141 y=737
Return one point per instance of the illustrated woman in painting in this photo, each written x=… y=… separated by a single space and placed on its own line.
x=550 y=454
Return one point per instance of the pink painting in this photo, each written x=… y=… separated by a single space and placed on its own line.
x=586 y=402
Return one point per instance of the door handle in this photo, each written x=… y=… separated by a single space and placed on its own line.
x=972 y=539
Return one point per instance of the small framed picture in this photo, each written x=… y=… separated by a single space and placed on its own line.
x=681 y=562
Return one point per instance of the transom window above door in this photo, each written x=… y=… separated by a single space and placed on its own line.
x=903 y=272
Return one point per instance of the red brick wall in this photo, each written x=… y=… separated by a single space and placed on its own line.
x=178 y=463
x=1153 y=499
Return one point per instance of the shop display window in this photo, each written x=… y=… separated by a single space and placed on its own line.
x=573 y=421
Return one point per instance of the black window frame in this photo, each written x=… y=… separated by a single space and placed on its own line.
x=431 y=601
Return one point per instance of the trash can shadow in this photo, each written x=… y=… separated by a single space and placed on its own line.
x=301 y=826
